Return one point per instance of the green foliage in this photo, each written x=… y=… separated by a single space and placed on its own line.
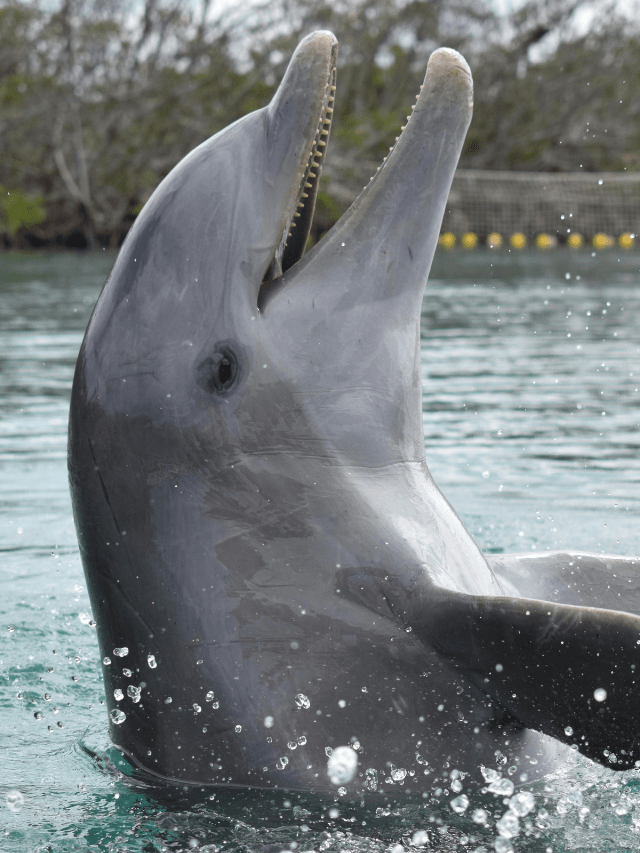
x=20 y=211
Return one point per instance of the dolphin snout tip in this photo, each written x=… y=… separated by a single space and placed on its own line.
x=447 y=62
x=319 y=40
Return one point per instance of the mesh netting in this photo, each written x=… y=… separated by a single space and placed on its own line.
x=542 y=202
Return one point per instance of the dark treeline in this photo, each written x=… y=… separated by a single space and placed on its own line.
x=100 y=98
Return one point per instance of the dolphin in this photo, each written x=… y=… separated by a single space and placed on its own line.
x=272 y=569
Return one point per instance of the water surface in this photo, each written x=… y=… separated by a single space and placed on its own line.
x=531 y=370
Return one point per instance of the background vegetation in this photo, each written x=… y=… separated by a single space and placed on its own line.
x=100 y=98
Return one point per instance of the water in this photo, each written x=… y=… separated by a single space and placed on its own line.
x=531 y=372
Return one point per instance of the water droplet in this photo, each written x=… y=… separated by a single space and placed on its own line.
x=38 y=715
x=121 y=652
x=268 y=722
x=328 y=750
x=281 y=763
x=302 y=701
x=15 y=801
x=85 y=618
x=209 y=696
x=342 y=703
x=499 y=667
x=342 y=765
x=302 y=740
x=197 y=708
x=215 y=704
x=334 y=814
x=502 y=787
x=508 y=826
x=460 y=804
x=292 y=744
x=118 y=716
x=151 y=661
x=568 y=731
x=522 y=803
x=127 y=673
x=133 y=693
x=371 y=779
x=47 y=697
x=106 y=660
x=600 y=694
x=168 y=700
x=398 y=774
x=238 y=729
x=118 y=694
x=480 y=816
x=419 y=838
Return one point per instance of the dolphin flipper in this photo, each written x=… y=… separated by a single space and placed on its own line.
x=572 y=577
x=570 y=672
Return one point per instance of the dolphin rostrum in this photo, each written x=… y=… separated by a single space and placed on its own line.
x=273 y=571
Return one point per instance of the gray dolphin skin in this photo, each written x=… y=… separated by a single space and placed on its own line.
x=271 y=567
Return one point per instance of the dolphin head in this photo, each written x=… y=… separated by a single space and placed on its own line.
x=246 y=420
x=209 y=305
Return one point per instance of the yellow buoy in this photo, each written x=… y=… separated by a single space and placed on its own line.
x=469 y=240
x=602 y=241
x=626 y=241
x=494 y=240
x=518 y=240
x=447 y=240
x=575 y=241
x=546 y=241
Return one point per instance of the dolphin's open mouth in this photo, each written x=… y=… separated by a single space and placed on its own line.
x=400 y=210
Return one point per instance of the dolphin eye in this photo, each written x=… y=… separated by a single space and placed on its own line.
x=224 y=371
x=219 y=372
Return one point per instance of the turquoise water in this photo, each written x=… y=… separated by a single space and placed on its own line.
x=531 y=371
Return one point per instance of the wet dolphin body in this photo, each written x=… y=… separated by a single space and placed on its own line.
x=262 y=539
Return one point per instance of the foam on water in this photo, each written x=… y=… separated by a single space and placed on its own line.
x=531 y=411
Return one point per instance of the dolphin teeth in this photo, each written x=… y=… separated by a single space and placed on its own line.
x=403 y=127
x=324 y=133
x=330 y=111
x=304 y=195
x=311 y=175
x=323 y=144
x=308 y=185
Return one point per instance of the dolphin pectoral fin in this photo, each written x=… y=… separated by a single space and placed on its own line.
x=573 y=577
x=570 y=672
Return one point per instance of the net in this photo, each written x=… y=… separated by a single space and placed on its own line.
x=534 y=203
